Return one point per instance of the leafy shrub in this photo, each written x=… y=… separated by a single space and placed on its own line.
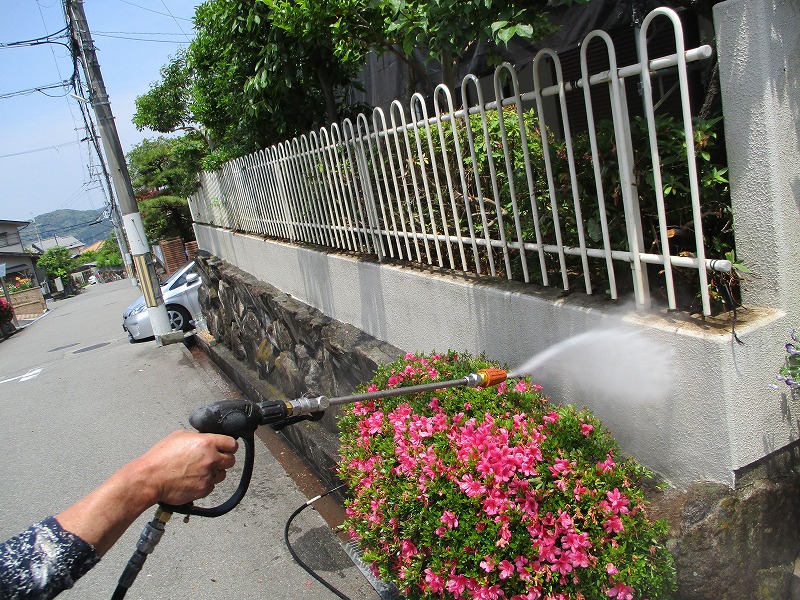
x=518 y=185
x=490 y=493
x=166 y=217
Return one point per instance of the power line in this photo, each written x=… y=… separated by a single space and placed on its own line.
x=45 y=39
x=41 y=88
x=174 y=19
x=42 y=149
x=123 y=37
x=154 y=11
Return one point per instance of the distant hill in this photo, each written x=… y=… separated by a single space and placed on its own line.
x=80 y=224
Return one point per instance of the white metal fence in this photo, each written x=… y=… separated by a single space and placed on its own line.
x=480 y=189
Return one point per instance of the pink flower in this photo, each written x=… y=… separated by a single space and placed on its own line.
x=617 y=502
x=563 y=565
x=394 y=380
x=488 y=593
x=579 y=491
x=520 y=563
x=434 y=581
x=502 y=389
x=457 y=584
x=613 y=524
x=611 y=569
x=534 y=594
x=561 y=467
x=487 y=564
x=578 y=558
x=408 y=549
x=450 y=519
x=550 y=417
x=621 y=592
x=471 y=487
x=575 y=541
x=606 y=465
x=586 y=429
x=522 y=386
x=506 y=569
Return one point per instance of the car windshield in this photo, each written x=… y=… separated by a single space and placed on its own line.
x=180 y=274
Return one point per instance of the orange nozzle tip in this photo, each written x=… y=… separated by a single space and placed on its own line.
x=492 y=376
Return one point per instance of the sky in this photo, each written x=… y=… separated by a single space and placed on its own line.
x=44 y=166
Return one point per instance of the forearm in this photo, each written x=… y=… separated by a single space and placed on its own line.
x=182 y=467
x=103 y=516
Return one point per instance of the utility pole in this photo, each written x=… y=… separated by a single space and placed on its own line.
x=83 y=47
x=114 y=214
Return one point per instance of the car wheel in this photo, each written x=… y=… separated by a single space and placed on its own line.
x=179 y=318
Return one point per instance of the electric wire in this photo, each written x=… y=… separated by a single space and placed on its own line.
x=42 y=149
x=154 y=11
x=296 y=558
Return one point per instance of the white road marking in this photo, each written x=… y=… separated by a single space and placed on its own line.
x=29 y=375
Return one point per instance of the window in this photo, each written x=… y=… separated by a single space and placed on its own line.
x=9 y=239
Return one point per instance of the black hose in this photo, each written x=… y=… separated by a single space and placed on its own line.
x=129 y=575
x=296 y=558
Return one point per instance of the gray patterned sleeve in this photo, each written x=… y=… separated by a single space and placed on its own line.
x=42 y=561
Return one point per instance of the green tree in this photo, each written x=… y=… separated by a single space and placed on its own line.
x=259 y=72
x=333 y=37
x=56 y=261
x=446 y=29
x=108 y=254
x=165 y=107
x=166 y=217
x=166 y=166
x=258 y=82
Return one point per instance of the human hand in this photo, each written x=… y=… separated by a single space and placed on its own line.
x=185 y=465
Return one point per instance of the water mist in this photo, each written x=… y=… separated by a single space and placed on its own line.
x=618 y=364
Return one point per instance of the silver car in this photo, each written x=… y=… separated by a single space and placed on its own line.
x=180 y=298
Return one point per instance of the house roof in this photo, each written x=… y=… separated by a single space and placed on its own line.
x=15 y=223
x=66 y=241
x=95 y=246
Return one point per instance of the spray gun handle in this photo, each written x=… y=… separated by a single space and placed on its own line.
x=240 y=419
x=236 y=497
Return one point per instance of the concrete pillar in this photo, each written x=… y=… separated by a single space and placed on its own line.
x=759 y=60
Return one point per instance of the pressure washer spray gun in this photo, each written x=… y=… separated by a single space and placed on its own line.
x=240 y=419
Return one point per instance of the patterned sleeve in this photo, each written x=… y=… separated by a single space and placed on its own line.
x=42 y=561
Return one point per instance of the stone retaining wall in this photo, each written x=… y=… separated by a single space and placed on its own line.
x=290 y=347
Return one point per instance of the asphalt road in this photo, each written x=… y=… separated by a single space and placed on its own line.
x=78 y=401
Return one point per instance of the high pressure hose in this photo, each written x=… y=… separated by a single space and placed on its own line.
x=150 y=536
x=296 y=558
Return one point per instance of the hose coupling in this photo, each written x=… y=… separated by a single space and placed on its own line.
x=307 y=406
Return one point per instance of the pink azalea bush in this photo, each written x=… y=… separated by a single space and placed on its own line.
x=6 y=312
x=494 y=493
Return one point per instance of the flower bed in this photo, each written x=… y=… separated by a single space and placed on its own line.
x=495 y=493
